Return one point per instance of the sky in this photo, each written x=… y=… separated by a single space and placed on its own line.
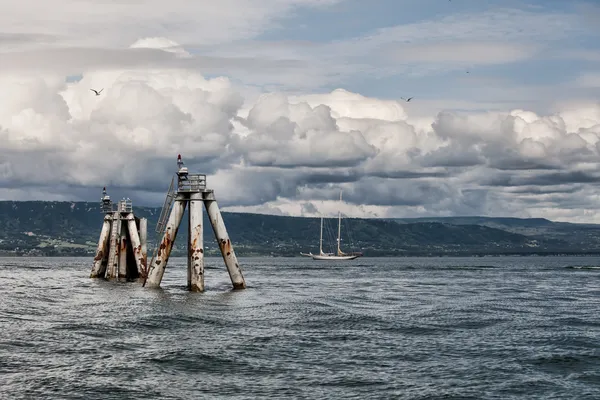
x=285 y=103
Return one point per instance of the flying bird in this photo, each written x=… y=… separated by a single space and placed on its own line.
x=97 y=92
x=407 y=100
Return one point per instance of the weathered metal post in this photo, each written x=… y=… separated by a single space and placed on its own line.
x=101 y=258
x=140 y=259
x=112 y=269
x=123 y=242
x=195 y=244
x=216 y=221
x=103 y=250
x=144 y=242
x=158 y=264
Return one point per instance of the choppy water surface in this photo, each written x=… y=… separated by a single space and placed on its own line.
x=414 y=328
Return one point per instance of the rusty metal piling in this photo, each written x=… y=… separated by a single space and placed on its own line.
x=144 y=243
x=216 y=221
x=120 y=238
x=112 y=270
x=136 y=245
x=195 y=244
x=101 y=258
x=123 y=243
x=158 y=264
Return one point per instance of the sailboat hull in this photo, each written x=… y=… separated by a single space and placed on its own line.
x=324 y=257
x=317 y=257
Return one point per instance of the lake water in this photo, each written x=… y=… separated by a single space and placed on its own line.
x=376 y=328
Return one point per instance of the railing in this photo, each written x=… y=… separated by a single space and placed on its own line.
x=191 y=183
x=125 y=206
x=106 y=206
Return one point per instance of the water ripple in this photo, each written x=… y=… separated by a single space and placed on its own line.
x=405 y=328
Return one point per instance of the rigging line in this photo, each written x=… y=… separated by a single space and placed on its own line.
x=350 y=237
x=342 y=230
x=345 y=231
x=326 y=236
x=325 y=243
x=332 y=238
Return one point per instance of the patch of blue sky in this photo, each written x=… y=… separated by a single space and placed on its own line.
x=73 y=78
x=355 y=18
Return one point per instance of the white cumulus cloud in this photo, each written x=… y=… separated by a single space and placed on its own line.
x=284 y=154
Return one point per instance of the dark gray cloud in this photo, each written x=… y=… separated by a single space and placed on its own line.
x=333 y=175
x=409 y=174
x=454 y=155
x=387 y=192
x=541 y=179
x=557 y=178
x=512 y=164
x=542 y=190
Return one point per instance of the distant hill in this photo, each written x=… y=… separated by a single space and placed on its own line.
x=72 y=228
x=581 y=237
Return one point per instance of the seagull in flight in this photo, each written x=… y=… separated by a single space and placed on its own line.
x=407 y=100
x=97 y=92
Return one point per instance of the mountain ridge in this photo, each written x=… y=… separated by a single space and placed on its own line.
x=51 y=228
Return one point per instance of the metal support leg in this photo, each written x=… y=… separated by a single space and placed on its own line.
x=112 y=270
x=140 y=261
x=144 y=243
x=216 y=221
x=101 y=258
x=123 y=243
x=159 y=261
x=195 y=245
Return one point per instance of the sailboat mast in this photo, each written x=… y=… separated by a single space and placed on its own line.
x=339 y=251
x=321 y=239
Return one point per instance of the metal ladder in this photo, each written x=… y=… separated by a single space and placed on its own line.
x=115 y=234
x=164 y=213
x=161 y=225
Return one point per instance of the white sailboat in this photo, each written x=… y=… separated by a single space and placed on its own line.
x=339 y=255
